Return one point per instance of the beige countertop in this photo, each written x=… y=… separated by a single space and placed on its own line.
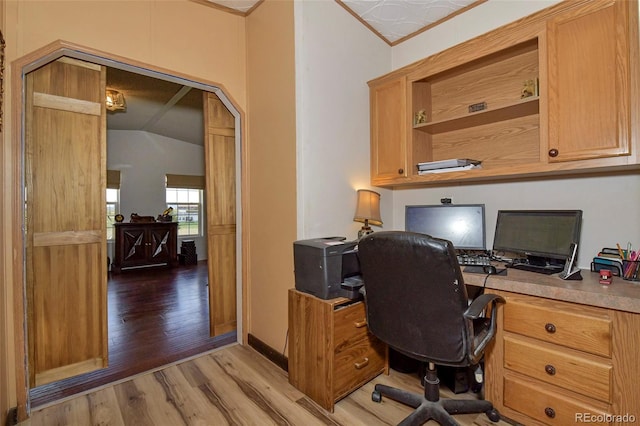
x=620 y=295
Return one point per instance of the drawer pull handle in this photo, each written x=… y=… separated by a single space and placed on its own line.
x=360 y=324
x=550 y=328
x=550 y=412
x=361 y=365
x=550 y=369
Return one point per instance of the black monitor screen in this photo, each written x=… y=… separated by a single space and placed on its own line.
x=462 y=224
x=541 y=233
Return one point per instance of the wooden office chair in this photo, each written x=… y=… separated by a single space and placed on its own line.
x=417 y=303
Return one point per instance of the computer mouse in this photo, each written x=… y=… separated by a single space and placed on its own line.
x=490 y=269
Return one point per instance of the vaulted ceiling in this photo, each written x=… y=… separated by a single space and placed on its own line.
x=175 y=111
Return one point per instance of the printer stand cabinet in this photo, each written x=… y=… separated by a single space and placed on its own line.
x=145 y=244
x=331 y=352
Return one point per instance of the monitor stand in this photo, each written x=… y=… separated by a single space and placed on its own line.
x=537 y=264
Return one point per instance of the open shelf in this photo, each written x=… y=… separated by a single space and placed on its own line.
x=522 y=108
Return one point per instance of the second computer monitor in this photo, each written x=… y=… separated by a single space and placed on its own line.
x=462 y=224
x=545 y=235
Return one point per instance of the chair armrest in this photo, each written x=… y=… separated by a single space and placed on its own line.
x=473 y=312
x=480 y=303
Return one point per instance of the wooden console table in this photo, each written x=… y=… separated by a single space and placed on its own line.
x=145 y=244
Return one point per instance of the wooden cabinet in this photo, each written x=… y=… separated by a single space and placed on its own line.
x=145 y=244
x=331 y=352
x=589 y=82
x=557 y=363
x=388 y=130
x=469 y=102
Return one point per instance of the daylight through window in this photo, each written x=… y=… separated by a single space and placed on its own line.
x=186 y=205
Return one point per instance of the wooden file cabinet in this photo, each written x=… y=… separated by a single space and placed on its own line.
x=145 y=244
x=552 y=361
x=331 y=352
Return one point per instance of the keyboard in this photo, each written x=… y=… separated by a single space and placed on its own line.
x=473 y=259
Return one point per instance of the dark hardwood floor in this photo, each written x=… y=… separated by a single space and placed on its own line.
x=156 y=316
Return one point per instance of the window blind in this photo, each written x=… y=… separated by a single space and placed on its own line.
x=185 y=181
x=113 y=179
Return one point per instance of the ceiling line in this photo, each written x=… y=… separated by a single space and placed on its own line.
x=166 y=107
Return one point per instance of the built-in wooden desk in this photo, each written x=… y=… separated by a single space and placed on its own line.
x=565 y=351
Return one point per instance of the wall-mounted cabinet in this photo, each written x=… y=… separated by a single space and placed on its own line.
x=388 y=127
x=549 y=94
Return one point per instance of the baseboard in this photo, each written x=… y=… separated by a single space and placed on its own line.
x=268 y=352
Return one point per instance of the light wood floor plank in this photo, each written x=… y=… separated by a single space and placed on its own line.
x=231 y=386
x=103 y=408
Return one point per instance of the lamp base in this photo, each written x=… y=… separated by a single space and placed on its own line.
x=365 y=230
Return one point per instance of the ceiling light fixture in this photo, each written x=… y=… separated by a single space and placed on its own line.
x=115 y=101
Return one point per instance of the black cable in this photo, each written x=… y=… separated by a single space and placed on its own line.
x=484 y=283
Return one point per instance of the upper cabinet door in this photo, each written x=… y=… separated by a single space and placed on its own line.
x=589 y=81
x=388 y=130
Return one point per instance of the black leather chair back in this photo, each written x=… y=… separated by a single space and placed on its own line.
x=415 y=296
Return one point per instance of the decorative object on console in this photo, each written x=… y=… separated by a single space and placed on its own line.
x=136 y=218
x=166 y=215
x=119 y=218
x=367 y=211
x=115 y=101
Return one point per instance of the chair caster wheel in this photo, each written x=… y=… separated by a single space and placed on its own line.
x=493 y=415
x=376 y=396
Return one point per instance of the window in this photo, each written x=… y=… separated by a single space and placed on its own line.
x=113 y=196
x=186 y=205
x=113 y=201
x=184 y=195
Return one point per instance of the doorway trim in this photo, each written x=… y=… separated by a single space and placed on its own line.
x=49 y=53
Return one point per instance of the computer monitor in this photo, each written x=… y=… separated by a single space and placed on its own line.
x=542 y=236
x=462 y=224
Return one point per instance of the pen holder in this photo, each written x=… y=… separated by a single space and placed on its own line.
x=631 y=270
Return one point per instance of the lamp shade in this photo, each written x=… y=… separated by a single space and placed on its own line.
x=368 y=207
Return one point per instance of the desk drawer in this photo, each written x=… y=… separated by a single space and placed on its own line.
x=350 y=325
x=581 y=373
x=542 y=403
x=357 y=364
x=583 y=328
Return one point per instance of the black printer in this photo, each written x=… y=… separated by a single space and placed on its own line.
x=327 y=267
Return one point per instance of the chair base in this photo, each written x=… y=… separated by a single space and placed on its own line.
x=430 y=406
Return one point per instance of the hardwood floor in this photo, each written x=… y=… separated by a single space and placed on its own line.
x=234 y=385
x=155 y=317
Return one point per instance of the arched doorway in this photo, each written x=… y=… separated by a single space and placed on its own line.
x=222 y=143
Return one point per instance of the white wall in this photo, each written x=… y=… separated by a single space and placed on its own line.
x=143 y=160
x=335 y=57
x=606 y=201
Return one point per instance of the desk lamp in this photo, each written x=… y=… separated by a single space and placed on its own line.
x=367 y=211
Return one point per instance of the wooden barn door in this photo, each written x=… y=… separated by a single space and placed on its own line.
x=220 y=167
x=65 y=180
